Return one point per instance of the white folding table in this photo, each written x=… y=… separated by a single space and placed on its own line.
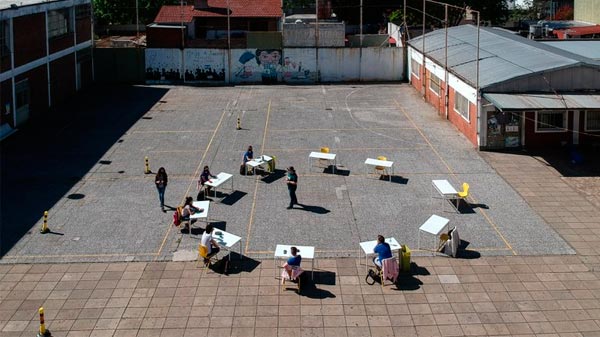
x=434 y=225
x=368 y=246
x=321 y=155
x=306 y=252
x=259 y=161
x=446 y=191
x=227 y=241
x=220 y=180
x=386 y=164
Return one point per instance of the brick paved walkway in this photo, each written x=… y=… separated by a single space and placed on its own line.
x=489 y=296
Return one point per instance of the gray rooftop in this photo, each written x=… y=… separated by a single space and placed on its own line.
x=502 y=55
x=585 y=48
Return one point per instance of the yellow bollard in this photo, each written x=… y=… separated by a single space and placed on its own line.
x=147 y=166
x=43 y=332
x=239 y=124
x=45 y=228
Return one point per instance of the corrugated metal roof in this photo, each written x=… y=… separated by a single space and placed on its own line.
x=543 y=101
x=589 y=49
x=502 y=55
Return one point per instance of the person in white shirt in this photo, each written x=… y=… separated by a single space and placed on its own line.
x=208 y=241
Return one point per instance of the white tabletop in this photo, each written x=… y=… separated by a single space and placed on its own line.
x=200 y=204
x=224 y=238
x=434 y=225
x=377 y=162
x=322 y=155
x=444 y=187
x=368 y=246
x=259 y=161
x=219 y=180
x=307 y=252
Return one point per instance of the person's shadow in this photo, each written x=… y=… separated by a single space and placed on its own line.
x=314 y=209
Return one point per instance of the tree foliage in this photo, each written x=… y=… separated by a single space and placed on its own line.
x=120 y=12
x=377 y=11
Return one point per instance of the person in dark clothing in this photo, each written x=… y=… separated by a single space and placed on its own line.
x=292 y=185
x=161 y=185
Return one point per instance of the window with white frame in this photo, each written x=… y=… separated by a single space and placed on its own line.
x=550 y=121
x=592 y=120
x=59 y=22
x=83 y=12
x=415 y=68
x=461 y=105
x=4 y=38
x=434 y=84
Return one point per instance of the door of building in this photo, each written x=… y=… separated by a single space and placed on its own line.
x=503 y=129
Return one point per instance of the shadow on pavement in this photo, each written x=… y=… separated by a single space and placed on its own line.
x=234 y=197
x=278 y=174
x=313 y=209
x=54 y=151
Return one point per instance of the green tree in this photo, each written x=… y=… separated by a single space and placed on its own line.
x=116 y=12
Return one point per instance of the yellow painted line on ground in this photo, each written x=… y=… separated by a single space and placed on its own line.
x=75 y=255
x=170 y=131
x=351 y=149
x=349 y=129
x=361 y=253
x=249 y=229
x=455 y=176
x=196 y=172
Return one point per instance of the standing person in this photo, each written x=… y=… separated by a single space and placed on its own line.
x=204 y=178
x=383 y=251
x=292 y=185
x=161 y=184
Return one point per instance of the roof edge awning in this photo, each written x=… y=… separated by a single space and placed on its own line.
x=543 y=101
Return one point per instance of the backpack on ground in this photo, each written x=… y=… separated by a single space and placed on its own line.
x=177 y=216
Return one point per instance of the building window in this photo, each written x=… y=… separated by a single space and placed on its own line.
x=83 y=12
x=550 y=121
x=592 y=120
x=4 y=38
x=59 y=22
x=461 y=105
x=415 y=68
x=434 y=84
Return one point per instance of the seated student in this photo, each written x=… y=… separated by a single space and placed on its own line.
x=249 y=155
x=293 y=261
x=205 y=177
x=208 y=242
x=383 y=251
x=188 y=210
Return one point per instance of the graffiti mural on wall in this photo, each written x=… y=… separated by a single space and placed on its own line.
x=268 y=66
x=204 y=65
x=163 y=65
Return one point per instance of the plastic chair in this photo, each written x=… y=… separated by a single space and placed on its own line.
x=462 y=195
x=324 y=149
x=381 y=168
x=204 y=257
x=389 y=267
x=291 y=273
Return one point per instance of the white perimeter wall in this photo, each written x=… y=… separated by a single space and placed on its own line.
x=297 y=65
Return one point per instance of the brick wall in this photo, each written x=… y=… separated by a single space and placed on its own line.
x=29 y=38
x=467 y=128
x=6 y=97
x=545 y=139
x=38 y=89
x=62 y=78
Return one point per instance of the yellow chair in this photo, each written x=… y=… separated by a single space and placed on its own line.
x=291 y=273
x=462 y=195
x=381 y=168
x=203 y=256
x=324 y=149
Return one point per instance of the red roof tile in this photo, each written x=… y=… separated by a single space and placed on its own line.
x=218 y=8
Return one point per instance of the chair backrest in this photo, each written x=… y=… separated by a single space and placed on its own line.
x=390 y=268
x=324 y=149
x=465 y=187
x=203 y=251
x=381 y=168
x=382 y=158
